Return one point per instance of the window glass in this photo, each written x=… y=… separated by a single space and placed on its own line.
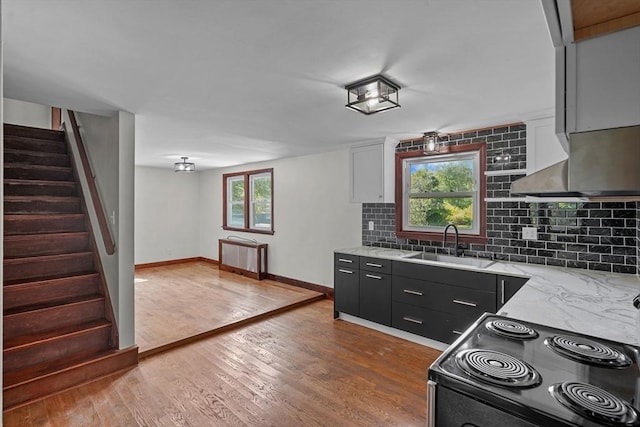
x=248 y=201
x=440 y=190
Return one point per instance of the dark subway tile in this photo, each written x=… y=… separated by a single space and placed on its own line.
x=628 y=269
x=599 y=266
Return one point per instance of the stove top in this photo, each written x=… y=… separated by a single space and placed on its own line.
x=544 y=375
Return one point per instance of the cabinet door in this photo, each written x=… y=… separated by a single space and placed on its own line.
x=604 y=81
x=367 y=174
x=347 y=290
x=375 y=297
x=507 y=287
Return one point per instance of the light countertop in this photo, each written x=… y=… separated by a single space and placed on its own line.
x=588 y=302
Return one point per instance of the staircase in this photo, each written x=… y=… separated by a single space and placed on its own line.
x=58 y=330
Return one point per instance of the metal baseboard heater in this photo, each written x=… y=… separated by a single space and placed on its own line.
x=243 y=256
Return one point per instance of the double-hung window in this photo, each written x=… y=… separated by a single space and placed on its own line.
x=248 y=201
x=441 y=189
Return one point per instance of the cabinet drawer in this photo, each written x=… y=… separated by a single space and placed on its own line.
x=445 y=298
x=344 y=260
x=449 y=276
x=421 y=321
x=375 y=264
x=375 y=297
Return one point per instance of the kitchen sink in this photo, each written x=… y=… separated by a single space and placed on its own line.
x=470 y=261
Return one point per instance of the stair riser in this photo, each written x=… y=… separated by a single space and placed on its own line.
x=62 y=189
x=34 y=159
x=41 y=206
x=39 y=245
x=42 y=146
x=35 y=133
x=38 y=321
x=50 y=291
x=22 y=393
x=42 y=173
x=18 y=225
x=32 y=268
x=87 y=343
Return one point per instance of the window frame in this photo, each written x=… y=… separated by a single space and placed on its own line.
x=401 y=198
x=248 y=201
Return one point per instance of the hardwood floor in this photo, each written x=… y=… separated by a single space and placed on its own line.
x=181 y=302
x=298 y=368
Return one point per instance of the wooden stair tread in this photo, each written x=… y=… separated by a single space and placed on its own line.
x=89 y=275
x=27 y=340
x=36 y=167
x=16 y=181
x=45 y=235
x=42 y=198
x=48 y=306
x=33 y=133
x=33 y=373
x=46 y=257
x=35 y=153
x=39 y=216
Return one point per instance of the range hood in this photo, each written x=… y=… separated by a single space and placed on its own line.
x=602 y=163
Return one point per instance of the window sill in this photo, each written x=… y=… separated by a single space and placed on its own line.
x=462 y=238
x=248 y=230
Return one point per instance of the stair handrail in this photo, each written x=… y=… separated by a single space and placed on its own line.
x=109 y=244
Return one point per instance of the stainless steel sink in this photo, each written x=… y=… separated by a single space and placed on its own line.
x=470 y=261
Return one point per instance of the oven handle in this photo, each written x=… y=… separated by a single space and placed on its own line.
x=431 y=403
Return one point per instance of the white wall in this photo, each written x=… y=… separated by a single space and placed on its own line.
x=312 y=215
x=26 y=113
x=109 y=142
x=167 y=213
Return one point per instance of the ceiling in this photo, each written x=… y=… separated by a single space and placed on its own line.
x=229 y=82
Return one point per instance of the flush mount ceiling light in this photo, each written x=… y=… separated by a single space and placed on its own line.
x=372 y=95
x=184 y=166
x=430 y=142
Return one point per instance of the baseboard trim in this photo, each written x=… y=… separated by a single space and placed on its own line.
x=327 y=291
x=175 y=261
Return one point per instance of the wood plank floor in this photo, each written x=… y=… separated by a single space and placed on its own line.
x=177 y=302
x=298 y=368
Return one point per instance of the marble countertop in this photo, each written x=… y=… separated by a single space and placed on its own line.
x=588 y=302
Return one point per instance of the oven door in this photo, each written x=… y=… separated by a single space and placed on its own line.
x=448 y=408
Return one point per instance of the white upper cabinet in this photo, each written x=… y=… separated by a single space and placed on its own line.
x=543 y=147
x=603 y=82
x=373 y=172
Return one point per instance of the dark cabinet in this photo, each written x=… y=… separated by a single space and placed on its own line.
x=375 y=297
x=507 y=287
x=346 y=282
x=439 y=302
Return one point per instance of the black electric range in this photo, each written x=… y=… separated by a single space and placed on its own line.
x=505 y=372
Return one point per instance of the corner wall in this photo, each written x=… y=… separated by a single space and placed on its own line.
x=167 y=214
x=26 y=113
x=312 y=215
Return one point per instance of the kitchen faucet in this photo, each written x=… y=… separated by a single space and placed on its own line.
x=459 y=250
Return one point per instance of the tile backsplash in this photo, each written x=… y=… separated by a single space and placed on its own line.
x=590 y=235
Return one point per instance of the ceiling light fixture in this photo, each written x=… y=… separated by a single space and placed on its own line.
x=372 y=95
x=184 y=166
x=430 y=142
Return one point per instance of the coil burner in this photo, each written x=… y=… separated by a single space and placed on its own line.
x=595 y=403
x=497 y=368
x=511 y=329
x=587 y=351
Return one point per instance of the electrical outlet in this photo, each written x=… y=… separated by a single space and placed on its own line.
x=370 y=225
x=529 y=233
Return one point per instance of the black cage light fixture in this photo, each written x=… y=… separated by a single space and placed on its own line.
x=372 y=95
x=184 y=166
x=430 y=141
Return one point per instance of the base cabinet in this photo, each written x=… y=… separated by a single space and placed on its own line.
x=427 y=300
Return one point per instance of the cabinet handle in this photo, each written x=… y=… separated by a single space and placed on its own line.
x=345 y=271
x=502 y=291
x=409 y=291
x=345 y=260
x=371 y=276
x=470 y=304
x=409 y=319
x=456 y=332
x=370 y=264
